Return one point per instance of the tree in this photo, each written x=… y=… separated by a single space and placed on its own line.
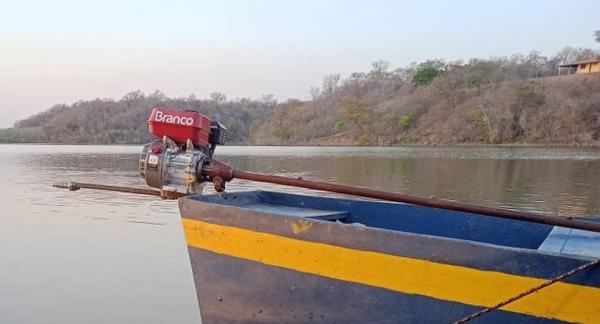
x=535 y=61
x=269 y=99
x=218 y=96
x=570 y=54
x=133 y=95
x=283 y=133
x=425 y=74
x=450 y=86
x=379 y=68
x=597 y=35
x=478 y=74
x=157 y=94
x=315 y=93
x=360 y=115
x=109 y=121
x=330 y=83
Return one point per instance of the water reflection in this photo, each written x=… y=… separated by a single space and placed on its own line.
x=542 y=179
x=567 y=186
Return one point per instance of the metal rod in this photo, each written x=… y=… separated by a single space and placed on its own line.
x=222 y=171
x=78 y=185
x=436 y=203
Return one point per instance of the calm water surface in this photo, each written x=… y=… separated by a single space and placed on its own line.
x=99 y=257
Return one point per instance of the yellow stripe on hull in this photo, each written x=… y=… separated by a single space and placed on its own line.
x=562 y=301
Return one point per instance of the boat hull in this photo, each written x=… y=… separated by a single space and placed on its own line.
x=266 y=257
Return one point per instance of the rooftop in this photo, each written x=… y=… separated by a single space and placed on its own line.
x=591 y=60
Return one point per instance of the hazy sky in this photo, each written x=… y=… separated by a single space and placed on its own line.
x=61 y=51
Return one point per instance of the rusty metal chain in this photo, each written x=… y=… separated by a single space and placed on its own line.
x=528 y=292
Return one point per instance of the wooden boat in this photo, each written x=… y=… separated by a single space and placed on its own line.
x=276 y=257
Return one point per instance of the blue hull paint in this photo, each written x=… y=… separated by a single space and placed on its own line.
x=231 y=289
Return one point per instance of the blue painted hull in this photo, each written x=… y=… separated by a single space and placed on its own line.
x=276 y=257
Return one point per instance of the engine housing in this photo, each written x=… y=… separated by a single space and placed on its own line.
x=173 y=163
x=180 y=126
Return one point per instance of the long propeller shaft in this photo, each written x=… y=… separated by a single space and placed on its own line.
x=219 y=173
x=73 y=186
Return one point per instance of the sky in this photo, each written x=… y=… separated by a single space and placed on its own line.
x=63 y=51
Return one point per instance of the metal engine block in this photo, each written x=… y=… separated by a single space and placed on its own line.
x=172 y=168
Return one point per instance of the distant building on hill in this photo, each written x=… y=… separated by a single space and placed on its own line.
x=581 y=67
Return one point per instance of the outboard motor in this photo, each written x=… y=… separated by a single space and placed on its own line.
x=186 y=142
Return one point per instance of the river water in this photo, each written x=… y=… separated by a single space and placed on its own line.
x=100 y=257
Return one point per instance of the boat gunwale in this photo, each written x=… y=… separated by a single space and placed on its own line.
x=223 y=202
x=491 y=257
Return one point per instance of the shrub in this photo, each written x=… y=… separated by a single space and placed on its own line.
x=364 y=139
x=405 y=120
x=425 y=74
x=477 y=119
x=283 y=133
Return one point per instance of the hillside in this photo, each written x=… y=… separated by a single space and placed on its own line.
x=107 y=121
x=463 y=106
x=510 y=100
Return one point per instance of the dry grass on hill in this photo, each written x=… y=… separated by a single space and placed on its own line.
x=562 y=110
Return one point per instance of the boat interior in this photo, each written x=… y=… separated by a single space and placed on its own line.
x=417 y=219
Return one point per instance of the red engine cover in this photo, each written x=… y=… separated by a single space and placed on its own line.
x=179 y=125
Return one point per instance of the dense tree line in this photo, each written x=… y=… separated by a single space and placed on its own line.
x=516 y=99
x=108 y=121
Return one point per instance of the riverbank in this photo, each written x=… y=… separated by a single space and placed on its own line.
x=346 y=139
